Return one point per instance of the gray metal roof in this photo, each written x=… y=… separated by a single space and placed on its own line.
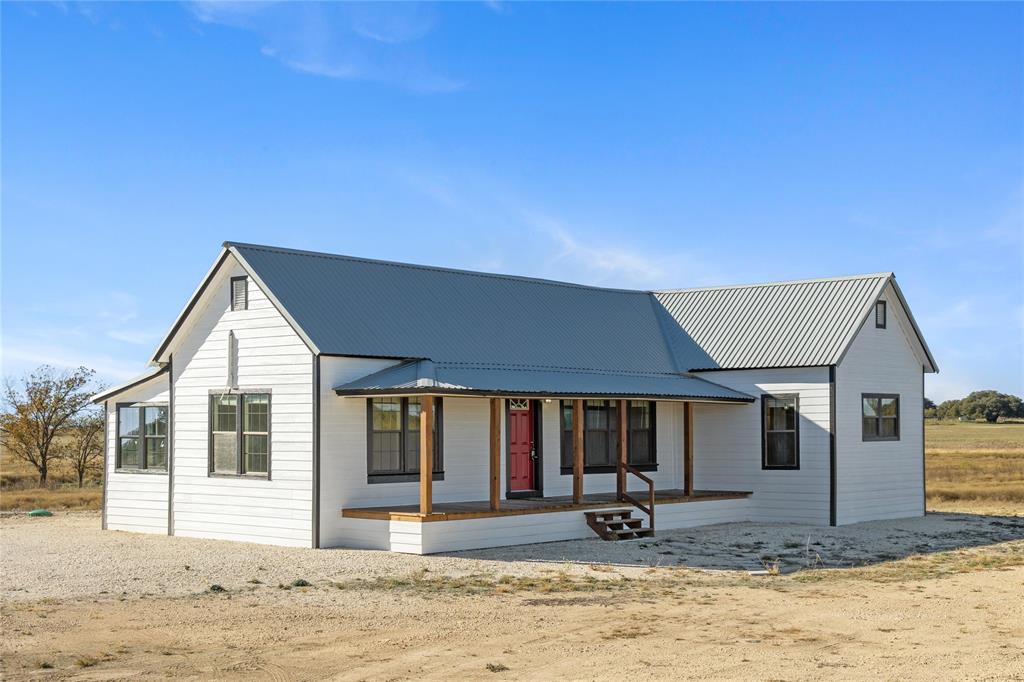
x=468 y=379
x=342 y=305
x=355 y=306
x=785 y=324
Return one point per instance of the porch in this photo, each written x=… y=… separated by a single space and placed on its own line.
x=481 y=509
x=530 y=462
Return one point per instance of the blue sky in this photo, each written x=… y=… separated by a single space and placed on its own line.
x=642 y=146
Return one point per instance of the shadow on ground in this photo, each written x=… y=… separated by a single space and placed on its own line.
x=789 y=547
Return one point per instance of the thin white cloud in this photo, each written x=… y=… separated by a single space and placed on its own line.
x=17 y=358
x=133 y=336
x=344 y=41
x=547 y=245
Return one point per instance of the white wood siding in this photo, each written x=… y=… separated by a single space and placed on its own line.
x=727 y=445
x=135 y=501
x=880 y=479
x=271 y=357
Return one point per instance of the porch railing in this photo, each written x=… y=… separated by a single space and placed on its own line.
x=624 y=496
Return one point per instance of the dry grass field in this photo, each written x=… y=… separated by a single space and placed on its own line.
x=977 y=467
x=19 y=487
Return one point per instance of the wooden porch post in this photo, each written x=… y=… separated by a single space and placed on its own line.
x=426 y=454
x=620 y=470
x=688 y=448
x=577 y=451
x=495 y=453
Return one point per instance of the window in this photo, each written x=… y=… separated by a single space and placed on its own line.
x=240 y=434
x=393 y=439
x=239 y=293
x=880 y=314
x=601 y=435
x=780 y=436
x=880 y=414
x=142 y=437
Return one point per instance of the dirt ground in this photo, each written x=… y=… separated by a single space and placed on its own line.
x=80 y=603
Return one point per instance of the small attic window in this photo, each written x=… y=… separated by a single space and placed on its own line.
x=239 y=293
x=880 y=314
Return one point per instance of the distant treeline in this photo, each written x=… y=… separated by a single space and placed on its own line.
x=988 y=405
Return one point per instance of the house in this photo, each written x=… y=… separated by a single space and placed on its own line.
x=289 y=404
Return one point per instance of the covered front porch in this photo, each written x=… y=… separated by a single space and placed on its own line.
x=518 y=464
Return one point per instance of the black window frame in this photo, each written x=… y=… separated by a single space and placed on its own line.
x=880 y=306
x=765 y=397
x=405 y=476
x=240 y=433
x=245 y=292
x=143 y=467
x=878 y=418
x=565 y=438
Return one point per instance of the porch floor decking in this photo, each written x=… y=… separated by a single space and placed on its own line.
x=455 y=511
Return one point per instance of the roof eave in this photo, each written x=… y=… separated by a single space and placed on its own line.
x=109 y=393
x=473 y=392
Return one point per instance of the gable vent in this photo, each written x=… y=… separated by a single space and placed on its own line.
x=239 y=293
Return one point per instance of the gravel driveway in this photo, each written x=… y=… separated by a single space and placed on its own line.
x=68 y=556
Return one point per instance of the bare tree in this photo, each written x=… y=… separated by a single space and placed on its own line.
x=83 y=449
x=38 y=409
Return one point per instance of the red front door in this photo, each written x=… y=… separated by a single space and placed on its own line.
x=520 y=445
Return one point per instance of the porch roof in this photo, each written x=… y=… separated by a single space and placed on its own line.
x=447 y=378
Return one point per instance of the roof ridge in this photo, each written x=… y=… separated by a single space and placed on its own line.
x=432 y=268
x=755 y=285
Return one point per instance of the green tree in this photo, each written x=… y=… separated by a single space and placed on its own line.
x=948 y=409
x=991 y=405
x=38 y=410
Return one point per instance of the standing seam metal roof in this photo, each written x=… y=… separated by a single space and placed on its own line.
x=784 y=324
x=360 y=307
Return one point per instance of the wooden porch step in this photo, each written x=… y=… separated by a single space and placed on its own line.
x=628 y=523
x=609 y=514
x=617 y=524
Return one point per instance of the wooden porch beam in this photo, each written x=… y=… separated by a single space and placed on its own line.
x=688 y=448
x=577 y=451
x=620 y=470
x=426 y=454
x=495 y=453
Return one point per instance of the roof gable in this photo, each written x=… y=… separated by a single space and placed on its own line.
x=341 y=305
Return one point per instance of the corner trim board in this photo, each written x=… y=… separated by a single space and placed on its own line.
x=170 y=445
x=832 y=445
x=106 y=457
x=316 y=452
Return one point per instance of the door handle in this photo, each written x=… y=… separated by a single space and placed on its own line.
x=533 y=454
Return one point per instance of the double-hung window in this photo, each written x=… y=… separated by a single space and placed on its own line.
x=142 y=437
x=780 y=424
x=880 y=416
x=240 y=434
x=601 y=435
x=393 y=439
